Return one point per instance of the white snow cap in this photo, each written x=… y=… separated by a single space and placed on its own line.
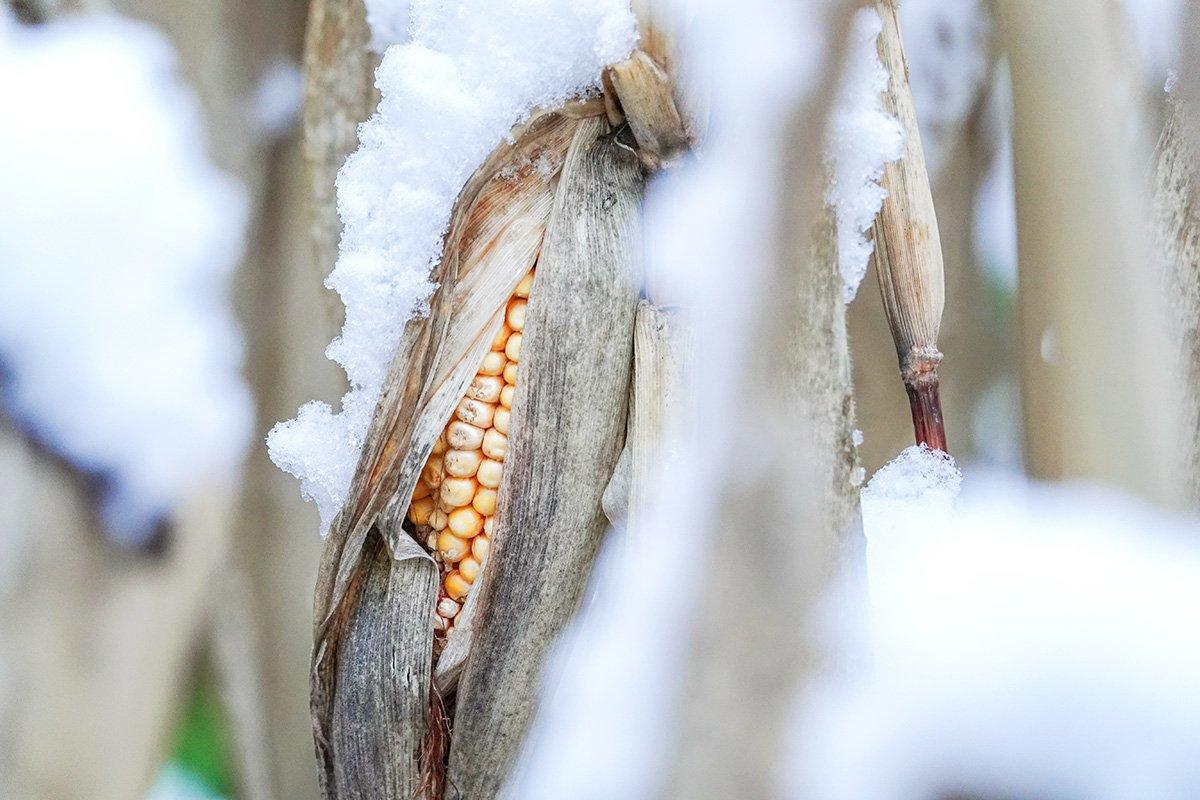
x=472 y=69
x=117 y=348
x=863 y=137
x=1031 y=642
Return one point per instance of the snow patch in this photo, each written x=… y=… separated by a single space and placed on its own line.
x=1038 y=645
x=117 y=236
x=863 y=137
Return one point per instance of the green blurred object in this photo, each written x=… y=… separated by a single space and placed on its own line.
x=202 y=741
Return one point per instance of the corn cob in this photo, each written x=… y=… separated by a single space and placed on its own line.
x=454 y=503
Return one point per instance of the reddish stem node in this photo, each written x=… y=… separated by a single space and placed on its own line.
x=926 y=404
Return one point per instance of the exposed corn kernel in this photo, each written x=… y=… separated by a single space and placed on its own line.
x=463 y=463
x=438 y=519
x=454 y=548
x=513 y=348
x=501 y=336
x=524 y=286
x=495 y=444
x=516 y=315
x=432 y=474
x=463 y=436
x=506 y=396
x=485 y=502
x=486 y=387
x=469 y=569
x=493 y=363
x=420 y=510
x=457 y=492
x=475 y=412
x=480 y=547
x=447 y=607
x=465 y=522
x=456 y=586
x=510 y=376
x=421 y=490
x=500 y=421
x=489 y=474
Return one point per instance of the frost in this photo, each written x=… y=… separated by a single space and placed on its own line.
x=1039 y=645
x=471 y=70
x=117 y=349
x=863 y=137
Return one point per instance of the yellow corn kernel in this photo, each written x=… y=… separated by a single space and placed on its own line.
x=463 y=463
x=489 y=526
x=462 y=436
x=457 y=492
x=510 y=375
x=475 y=412
x=421 y=508
x=495 y=444
x=439 y=446
x=486 y=387
x=513 y=349
x=465 y=522
x=456 y=587
x=524 y=286
x=433 y=472
x=516 y=315
x=485 y=502
x=501 y=336
x=480 y=547
x=493 y=363
x=447 y=607
x=489 y=474
x=500 y=422
x=438 y=519
x=506 y=396
x=469 y=569
x=452 y=547
x=422 y=489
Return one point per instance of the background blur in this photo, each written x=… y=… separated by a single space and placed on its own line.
x=184 y=653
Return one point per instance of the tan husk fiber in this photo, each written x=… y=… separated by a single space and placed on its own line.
x=568 y=424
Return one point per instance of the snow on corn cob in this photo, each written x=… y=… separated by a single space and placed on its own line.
x=454 y=503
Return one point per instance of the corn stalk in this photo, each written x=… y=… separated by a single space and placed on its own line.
x=1177 y=217
x=908 y=248
x=339 y=94
x=1099 y=398
x=775 y=544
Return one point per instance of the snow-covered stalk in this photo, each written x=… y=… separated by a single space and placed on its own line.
x=908 y=250
x=1177 y=218
x=1099 y=399
x=772 y=544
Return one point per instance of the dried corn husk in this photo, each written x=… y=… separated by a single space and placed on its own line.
x=644 y=91
x=908 y=251
x=662 y=344
x=495 y=235
x=567 y=429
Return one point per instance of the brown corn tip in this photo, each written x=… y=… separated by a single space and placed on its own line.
x=456 y=492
